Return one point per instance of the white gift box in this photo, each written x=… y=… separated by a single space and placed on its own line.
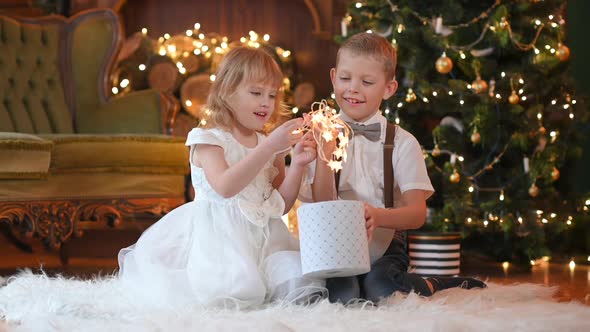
x=333 y=239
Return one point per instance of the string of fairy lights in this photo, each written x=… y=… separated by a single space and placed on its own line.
x=518 y=93
x=181 y=49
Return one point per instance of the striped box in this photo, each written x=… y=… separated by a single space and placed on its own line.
x=435 y=254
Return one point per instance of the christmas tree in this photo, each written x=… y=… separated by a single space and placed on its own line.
x=485 y=87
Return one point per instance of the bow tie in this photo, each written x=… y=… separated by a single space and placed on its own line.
x=372 y=131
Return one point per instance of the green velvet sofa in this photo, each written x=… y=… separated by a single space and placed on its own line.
x=72 y=156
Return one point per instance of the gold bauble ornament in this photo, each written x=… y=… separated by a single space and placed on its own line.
x=455 y=177
x=444 y=64
x=513 y=99
x=534 y=190
x=410 y=96
x=475 y=137
x=562 y=52
x=479 y=85
x=555 y=174
x=436 y=151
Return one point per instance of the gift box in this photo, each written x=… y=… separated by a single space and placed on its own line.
x=333 y=239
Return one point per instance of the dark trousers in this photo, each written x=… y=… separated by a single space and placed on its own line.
x=388 y=275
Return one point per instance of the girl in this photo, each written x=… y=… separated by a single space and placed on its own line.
x=229 y=246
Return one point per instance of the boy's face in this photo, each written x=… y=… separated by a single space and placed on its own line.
x=360 y=84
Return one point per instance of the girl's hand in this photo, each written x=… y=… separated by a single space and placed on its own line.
x=305 y=150
x=370 y=220
x=286 y=135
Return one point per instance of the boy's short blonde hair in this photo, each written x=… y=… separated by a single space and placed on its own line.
x=243 y=64
x=370 y=44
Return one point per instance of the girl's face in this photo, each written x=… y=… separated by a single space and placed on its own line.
x=252 y=105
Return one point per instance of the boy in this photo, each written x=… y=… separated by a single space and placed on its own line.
x=363 y=77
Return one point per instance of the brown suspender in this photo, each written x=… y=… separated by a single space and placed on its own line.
x=387 y=167
x=388 y=177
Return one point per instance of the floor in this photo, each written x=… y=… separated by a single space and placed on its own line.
x=94 y=255
x=573 y=282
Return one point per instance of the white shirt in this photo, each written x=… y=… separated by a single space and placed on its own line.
x=361 y=177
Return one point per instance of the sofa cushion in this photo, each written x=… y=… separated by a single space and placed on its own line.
x=154 y=154
x=32 y=98
x=24 y=156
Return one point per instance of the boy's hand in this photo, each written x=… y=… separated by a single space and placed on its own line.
x=305 y=150
x=327 y=147
x=285 y=135
x=370 y=220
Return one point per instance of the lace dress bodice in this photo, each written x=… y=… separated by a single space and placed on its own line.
x=258 y=201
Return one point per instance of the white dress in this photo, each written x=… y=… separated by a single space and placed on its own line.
x=217 y=251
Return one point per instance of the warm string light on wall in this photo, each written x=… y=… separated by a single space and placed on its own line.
x=194 y=41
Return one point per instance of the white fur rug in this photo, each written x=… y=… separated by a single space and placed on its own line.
x=32 y=302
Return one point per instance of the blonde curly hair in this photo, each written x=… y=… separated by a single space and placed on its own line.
x=243 y=64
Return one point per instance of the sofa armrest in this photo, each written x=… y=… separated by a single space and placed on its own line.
x=140 y=112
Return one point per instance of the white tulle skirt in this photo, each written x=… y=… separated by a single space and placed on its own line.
x=207 y=253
